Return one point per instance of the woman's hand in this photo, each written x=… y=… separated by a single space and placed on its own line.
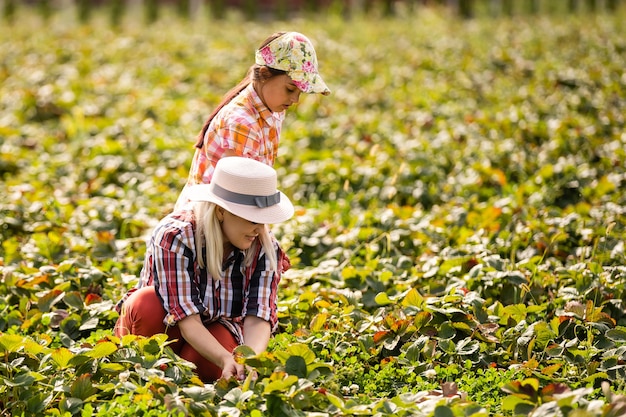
x=200 y=338
x=231 y=368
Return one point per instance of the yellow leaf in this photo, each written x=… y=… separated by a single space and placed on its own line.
x=413 y=298
x=550 y=370
x=61 y=357
x=318 y=322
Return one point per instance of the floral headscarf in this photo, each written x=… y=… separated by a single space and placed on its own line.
x=293 y=53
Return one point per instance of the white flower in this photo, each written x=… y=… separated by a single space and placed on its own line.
x=430 y=373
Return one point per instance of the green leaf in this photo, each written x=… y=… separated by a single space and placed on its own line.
x=443 y=411
x=101 y=350
x=244 y=351
x=71 y=405
x=517 y=312
x=467 y=346
x=512 y=403
x=111 y=368
x=89 y=324
x=237 y=397
x=447 y=346
x=463 y=326
x=264 y=363
x=38 y=402
x=422 y=319
x=297 y=349
x=70 y=327
x=280 y=385
x=446 y=331
x=48 y=300
x=617 y=335
x=152 y=345
x=591 y=379
x=336 y=401
x=223 y=386
x=82 y=387
x=318 y=368
x=25 y=379
x=413 y=351
x=275 y=407
x=382 y=299
x=74 y=299
x=296 y=365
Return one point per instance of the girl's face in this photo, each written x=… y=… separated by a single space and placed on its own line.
x=238 y=231
x=278 y=93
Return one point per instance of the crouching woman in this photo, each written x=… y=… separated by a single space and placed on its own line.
x=211 y=270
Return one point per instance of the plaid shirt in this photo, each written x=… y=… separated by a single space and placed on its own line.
x=186 y=289
x=246 y=126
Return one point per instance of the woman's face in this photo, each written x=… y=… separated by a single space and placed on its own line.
x=278 y=93
x=238 y=231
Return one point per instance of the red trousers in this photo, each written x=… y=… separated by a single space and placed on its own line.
x=142 y=315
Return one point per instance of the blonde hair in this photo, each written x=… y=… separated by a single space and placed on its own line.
x=210 y=241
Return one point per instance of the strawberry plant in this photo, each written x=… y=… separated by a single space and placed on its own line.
x=458 y=247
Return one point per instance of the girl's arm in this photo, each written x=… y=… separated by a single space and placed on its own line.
x=256 y=333
x=194 y=332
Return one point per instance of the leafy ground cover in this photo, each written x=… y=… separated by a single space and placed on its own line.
x=459 y=243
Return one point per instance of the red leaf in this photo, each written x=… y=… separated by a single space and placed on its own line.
x=381 y=335
x=92 y=298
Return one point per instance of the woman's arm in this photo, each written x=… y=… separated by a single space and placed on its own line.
x=194 y=332
x=256 y=333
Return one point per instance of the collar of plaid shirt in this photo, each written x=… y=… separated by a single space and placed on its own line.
x=271 y=118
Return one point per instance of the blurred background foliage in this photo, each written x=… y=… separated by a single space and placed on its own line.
x=286 y=9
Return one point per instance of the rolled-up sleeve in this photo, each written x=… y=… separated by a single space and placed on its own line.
x=173 y=270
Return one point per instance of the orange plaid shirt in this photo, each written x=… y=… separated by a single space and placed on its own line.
x=246 y=126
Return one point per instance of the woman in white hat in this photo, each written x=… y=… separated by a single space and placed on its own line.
x=249 y=119
x=211 y=270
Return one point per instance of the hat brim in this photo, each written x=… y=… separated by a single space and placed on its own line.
x=276 y=213
x=310 y=82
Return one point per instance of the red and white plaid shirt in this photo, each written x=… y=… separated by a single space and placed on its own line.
x=186 y=289
x=245 y=126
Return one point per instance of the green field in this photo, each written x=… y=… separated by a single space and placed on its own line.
x=458 y=247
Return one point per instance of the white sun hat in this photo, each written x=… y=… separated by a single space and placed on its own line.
x=246 y=188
